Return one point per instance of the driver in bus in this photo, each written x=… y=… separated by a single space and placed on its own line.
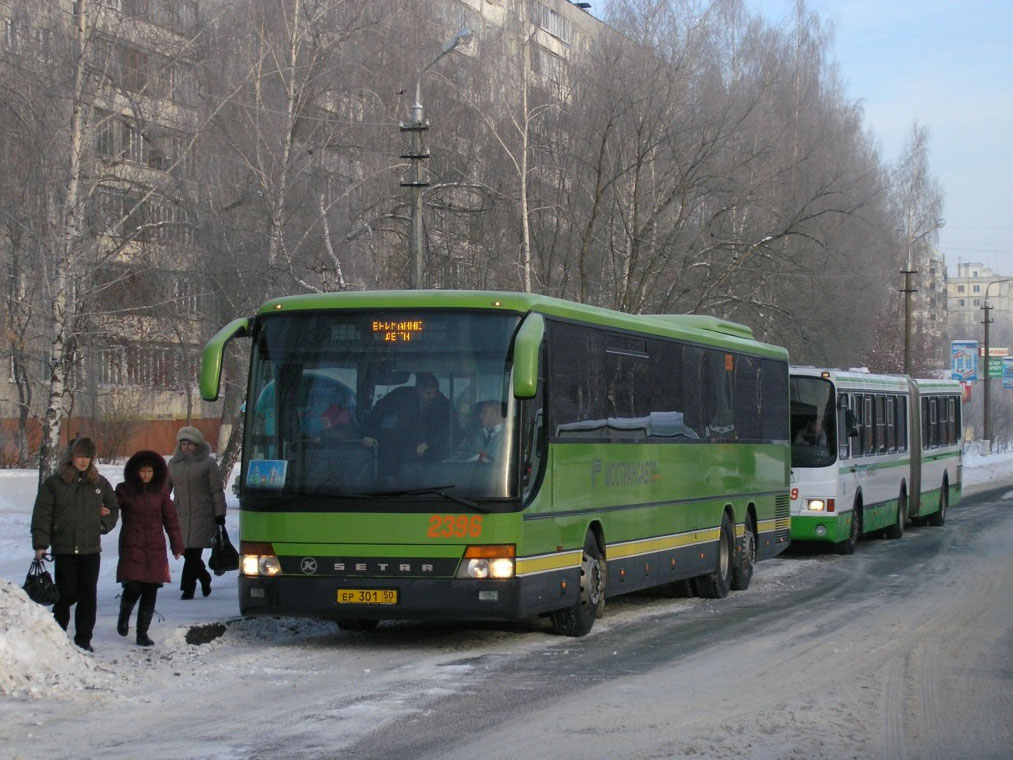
x=411 y=423
x=813 y=433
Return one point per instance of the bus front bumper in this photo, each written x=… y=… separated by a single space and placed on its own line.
x=421 y=598
x=829 y=528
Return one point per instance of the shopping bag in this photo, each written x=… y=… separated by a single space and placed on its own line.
x=39 y=584
x=224 y=556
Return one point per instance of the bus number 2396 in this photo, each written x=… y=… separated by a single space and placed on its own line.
x=455 y=526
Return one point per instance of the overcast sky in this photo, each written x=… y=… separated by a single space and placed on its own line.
x=949 y=65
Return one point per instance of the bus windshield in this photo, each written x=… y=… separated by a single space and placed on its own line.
x=392 y=402
x=813 y=422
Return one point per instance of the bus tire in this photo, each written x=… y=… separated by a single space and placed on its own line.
x=578 y=619
x=847 y=546
x=745 y=560
x=897 y=529
x=357 y=624
x=937 y=519
x=716 y=584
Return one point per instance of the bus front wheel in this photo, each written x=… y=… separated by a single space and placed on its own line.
x=847 y=546
x=716 y=584
x=578 y=619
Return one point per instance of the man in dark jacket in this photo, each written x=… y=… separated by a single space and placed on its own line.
x=73 y=509
x=410 y=424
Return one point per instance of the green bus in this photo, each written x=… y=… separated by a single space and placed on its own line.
x=631 y=452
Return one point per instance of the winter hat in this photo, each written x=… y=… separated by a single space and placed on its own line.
x=191 y=434
x=82 y=447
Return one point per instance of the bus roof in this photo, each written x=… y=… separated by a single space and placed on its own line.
x=693 y=327
x=858 y=379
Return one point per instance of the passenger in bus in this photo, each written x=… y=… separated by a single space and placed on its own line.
x=487 y=440
x=411 y=423
x=813 y=433
x=336 y=424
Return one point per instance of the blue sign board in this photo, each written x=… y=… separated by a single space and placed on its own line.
x=1007 y=372
x=964 y=356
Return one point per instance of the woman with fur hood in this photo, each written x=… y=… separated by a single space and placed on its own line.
x=148 y=515
x=73 y=509
x=199 y=497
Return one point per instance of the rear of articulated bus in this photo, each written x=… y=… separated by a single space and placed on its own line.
x=817 y=513
x=365 y=495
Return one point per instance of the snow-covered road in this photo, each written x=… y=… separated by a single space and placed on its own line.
x=266 y=687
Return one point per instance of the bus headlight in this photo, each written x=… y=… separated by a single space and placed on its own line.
x=258 y=558
x=482 y=562
x=819 y=505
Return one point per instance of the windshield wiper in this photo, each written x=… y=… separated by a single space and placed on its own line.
x=437 y=491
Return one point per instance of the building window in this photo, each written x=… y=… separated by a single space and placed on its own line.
x=977 y=289
x=960 y=288
x=961 y=302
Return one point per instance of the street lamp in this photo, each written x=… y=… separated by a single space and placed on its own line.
x=419 y=153
x=985 y=416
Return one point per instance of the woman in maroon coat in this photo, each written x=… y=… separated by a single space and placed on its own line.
x=147 y=511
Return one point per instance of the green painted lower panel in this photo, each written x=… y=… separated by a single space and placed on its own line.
x=831 y=528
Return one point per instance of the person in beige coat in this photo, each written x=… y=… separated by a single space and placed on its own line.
x=199 y=497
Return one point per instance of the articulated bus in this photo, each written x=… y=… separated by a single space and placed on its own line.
x=634 y=451
x=869 y=452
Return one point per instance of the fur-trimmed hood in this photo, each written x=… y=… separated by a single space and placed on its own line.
x=132 y=479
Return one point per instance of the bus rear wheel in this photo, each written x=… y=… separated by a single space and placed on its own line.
x=716 y=584
x=578 y=619
x=897 y=529
x=936 y=519
x=745 y=559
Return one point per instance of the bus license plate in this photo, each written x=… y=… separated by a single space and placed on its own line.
x=367 y=596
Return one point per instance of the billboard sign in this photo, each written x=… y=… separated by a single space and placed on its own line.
x=1007 y=372
x=964 y=360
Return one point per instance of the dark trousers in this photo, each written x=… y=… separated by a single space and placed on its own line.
x=77 y=581
x=193 y=571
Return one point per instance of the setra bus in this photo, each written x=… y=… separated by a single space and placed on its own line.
x=632 y=451
x=869 y=452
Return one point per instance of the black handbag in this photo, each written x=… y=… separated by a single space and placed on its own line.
x=39 y=584
x=224 y=556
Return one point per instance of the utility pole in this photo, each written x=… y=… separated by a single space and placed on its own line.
x=907 y=290
x=985 y=417
x=419 y=153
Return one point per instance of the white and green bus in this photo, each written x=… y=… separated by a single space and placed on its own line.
x=632 y=452
x=870 y=452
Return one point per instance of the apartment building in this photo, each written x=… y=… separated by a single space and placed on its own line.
x=135 y=295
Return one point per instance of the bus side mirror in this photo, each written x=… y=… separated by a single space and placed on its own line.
x=851 y=423
x=527 y=349
x=214 y=352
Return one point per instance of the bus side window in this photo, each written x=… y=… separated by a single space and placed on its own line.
x=845 y=422
x=891 y=421
x=869 y=428
x=880 y=425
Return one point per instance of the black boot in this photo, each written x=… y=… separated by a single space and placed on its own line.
x=205 y=583
x=127 y=601
x=144 y=613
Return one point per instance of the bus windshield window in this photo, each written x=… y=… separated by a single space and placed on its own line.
x=813 y=422
x=353 y=402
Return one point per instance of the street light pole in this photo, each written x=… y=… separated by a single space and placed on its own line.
x=986 y=422
x=419 y=153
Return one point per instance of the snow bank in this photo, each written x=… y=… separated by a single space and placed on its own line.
x=36 y=656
